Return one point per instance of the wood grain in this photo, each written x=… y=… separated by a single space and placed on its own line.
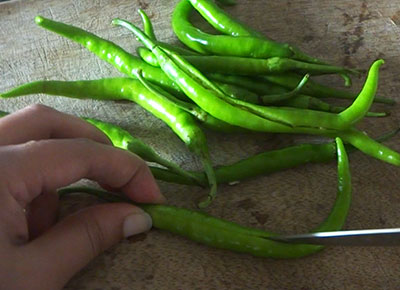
x=352 y=33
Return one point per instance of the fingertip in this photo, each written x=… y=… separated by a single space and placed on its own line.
x=142 y=186
x=136 y=223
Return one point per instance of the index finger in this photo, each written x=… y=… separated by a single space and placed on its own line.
x=46 y=165
x=38 y=122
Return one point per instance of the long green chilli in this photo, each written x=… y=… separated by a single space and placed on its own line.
x=93 y=89
x=270 y=92
x=121 y=138
x=273 y=119
x=269 y=119
x=223 y=234
x=246 y=46
x=223 y=22
x=180 y=121
x=109 y=52
x=259 y=164
x=229 y=88
x=290 y=80
x=267 y=162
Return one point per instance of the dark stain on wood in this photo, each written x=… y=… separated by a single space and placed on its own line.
x=149 y=277
x=260 y=217
x=347 y=19
x=308 y=38
x=353 y=39
x=396 y=17
x=246 y=204
x=382 y=221
x=143 y=4
x=365 y=14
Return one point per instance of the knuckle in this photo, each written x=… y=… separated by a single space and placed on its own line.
x=132 y=164
x=32 y=145
x=40 y=110
x=137 y=165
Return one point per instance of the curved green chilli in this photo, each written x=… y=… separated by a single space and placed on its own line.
x=206 y=119
x=197 y=60
x=268 y=162
x=147 y=25
x=222 y=21
x=121 y=138
x=341 y=121
x=231 y=89
x=271 y=93
x=370 y=147
x=223 y=234
x=260 y=164
x=146 y=56
x=308 y=102
x=246 y=46
x=249 y=66
x=180 y=121
x=290 y=80
x=241 y=113
x=213 y=101
x=264 y=88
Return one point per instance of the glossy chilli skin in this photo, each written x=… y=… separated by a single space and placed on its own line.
x=246 y=46
x=259 y=164
x=123 y=139
x=226 y=24
x=236 y=65
x=211 y=231
x=270 y=119
x=272 y=89
x=314 y=89
x=110 y=52
x=269 y=162
x=244 y=118
x=119 y=89
x=222 y=21
x=181 y=122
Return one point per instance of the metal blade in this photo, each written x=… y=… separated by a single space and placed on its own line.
x=369 y=237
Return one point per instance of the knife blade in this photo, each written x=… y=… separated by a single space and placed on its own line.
x=367 y=237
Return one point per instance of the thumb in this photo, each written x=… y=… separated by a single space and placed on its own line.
x=73 y=242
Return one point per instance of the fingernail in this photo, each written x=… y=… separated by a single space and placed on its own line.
x=136 y=223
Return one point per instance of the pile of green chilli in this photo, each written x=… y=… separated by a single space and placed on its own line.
x=236 y=81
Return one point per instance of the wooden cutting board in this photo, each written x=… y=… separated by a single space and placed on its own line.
x=351 y=33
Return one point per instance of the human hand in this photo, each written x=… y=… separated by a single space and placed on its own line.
x=42 y=150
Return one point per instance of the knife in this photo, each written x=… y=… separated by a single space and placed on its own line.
x=367 y=237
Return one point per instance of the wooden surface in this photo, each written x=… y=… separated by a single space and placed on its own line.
x=351 y=33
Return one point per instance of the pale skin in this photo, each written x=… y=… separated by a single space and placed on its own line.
x=42 y=150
